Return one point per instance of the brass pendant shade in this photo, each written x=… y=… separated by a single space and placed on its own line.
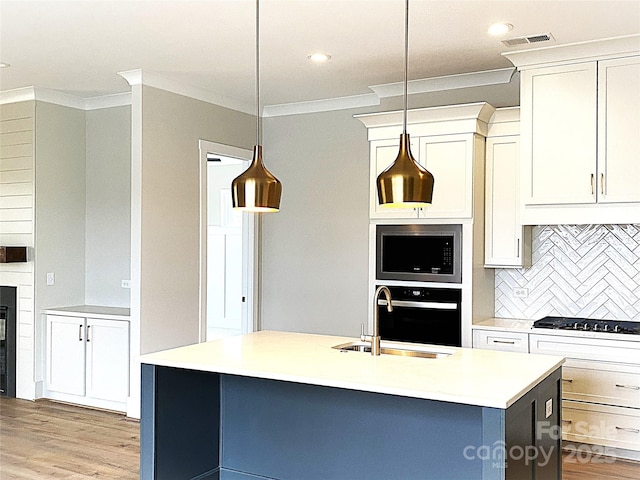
x=256 y=189
x=405 y=183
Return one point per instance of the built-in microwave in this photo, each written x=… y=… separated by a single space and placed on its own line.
x=419 y=253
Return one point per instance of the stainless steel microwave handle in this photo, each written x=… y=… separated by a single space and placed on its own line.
x=425 y=305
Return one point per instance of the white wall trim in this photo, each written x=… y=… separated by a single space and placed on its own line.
x=64 y=99
x=423 y=85
x=156 y=80
x=449 y=82
x=205 y=146
x=326 y=105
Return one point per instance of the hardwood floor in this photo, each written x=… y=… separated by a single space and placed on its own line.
x=43 y=439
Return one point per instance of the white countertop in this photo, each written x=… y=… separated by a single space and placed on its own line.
x=93 y=311
x=470 y=376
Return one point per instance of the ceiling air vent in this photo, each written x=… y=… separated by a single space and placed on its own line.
x=514 y=42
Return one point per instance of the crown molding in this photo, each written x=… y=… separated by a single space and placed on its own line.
x=449 y=82
x=326 y=105
x=64 y=99
x=157 y=80
x=580 y=51
x=424 y=85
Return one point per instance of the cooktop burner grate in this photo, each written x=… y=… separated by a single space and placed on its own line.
x=589 y=325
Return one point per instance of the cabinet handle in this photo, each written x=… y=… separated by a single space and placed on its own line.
x=592 y=185
x=568 y=422
x=630 y=387
x=568 y=380
x=506 y=342
x=518 y=248
x=630 y=430
x=602 y=183
x=79 y=333
x=88 y=333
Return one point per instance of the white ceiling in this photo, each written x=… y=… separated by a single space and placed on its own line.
x=77 y=47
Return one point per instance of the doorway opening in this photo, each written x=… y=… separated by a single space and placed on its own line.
x=227 y=246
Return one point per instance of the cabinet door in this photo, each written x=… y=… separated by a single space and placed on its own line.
x=503 y=231
x=558 y=125
x=65 y=354
x=383 y=153
x=619 y=130
x=108 y=359
x=450 y=159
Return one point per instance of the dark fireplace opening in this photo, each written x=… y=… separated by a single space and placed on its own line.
x=8 y=317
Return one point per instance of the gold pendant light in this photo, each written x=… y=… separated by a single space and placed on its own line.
x=405 y=183
x=256 y=189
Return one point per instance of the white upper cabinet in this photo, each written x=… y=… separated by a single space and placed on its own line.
x=580 y=132
x=383 y=153
x=619 y=130
x=558 y=108
x=447 y=141
x=449 y=158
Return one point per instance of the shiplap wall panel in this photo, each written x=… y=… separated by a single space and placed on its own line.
x=13 y=156
x=577 y=271
x=16 y=227
x=16 y=201
x=24 y=124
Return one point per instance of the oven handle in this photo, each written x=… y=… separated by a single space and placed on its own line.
x=425 y=305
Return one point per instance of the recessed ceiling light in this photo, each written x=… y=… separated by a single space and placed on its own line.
x=4 y=65
x=319 y=57
x=499 y=28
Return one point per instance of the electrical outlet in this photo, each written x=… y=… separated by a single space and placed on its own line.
x=51 y=279
x=126 y=284
x=521 y=292
x=548 y=408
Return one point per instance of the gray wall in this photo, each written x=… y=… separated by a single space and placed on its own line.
x=315 y=250
x=60 y=205
x=169 y=210
x=108 y=206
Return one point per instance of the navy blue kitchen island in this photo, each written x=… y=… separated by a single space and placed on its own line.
x=275 y=405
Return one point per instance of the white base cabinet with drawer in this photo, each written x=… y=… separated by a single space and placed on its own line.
x=600 y=390
x=88 y=361
x=500 y=340
x=600 y=385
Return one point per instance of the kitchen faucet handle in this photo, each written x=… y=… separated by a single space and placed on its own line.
x=363 y=337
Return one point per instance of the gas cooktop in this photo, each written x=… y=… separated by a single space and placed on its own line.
x=589 y=325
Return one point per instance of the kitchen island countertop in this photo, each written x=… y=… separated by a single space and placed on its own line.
x=468 y=376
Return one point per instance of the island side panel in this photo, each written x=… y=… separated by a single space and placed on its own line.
x=533 y=433
x=292 y=431
x=180 y=424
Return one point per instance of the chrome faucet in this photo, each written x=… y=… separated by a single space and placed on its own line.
x=375 y=338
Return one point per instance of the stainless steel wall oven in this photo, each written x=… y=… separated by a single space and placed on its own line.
x=422 y=315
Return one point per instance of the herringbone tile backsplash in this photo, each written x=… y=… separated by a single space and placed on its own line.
x=577 y=271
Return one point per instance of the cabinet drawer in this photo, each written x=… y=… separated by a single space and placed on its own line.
x=609 y=426
x=497 y=340
x=601 y=386
x=587 y=348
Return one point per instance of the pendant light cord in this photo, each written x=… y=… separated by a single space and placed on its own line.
x=258 y=132
x=406 y=64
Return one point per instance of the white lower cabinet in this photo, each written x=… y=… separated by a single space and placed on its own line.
x=600 y=385
x=500 y=340
x=88 y=361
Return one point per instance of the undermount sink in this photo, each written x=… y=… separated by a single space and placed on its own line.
x=395 y=349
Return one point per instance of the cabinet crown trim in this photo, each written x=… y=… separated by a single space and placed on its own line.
x=480 y=111
x=571 y=52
